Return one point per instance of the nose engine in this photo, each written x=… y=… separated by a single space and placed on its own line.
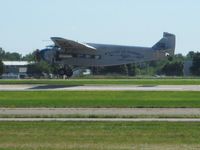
x=47 y=55
x=51 y=55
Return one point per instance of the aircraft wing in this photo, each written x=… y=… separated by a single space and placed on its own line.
x=71 y=45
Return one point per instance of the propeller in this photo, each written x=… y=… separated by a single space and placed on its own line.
x=37 y=55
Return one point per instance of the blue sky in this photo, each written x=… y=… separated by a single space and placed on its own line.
x=26 y=25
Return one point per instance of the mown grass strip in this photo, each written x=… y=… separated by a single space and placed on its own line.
x=107 y=81
x=96 y=99
x=98 y=136
x=98 y=116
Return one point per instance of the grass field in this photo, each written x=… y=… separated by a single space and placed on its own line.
x=98 y=136
x=97 y=116
x=126 y=99
x=107 y=81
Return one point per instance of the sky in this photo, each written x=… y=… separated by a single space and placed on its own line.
x=26 y=25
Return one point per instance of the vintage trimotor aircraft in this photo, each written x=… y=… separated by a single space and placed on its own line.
x=67 y=52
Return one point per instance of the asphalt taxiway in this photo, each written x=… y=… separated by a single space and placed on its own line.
x=29 y=87
x=101 y=111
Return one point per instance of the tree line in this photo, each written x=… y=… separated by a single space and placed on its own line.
x=173 y=66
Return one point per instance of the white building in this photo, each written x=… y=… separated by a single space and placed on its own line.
x=15 y=69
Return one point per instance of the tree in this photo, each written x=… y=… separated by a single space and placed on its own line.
x=37 y=69
x=121 y=69
x=29 y=57
x=9 y=56
x=195 y=69
x=2 y=54
x=173 y=69
x=190 y=55
x=131 y=69
x=1 y=67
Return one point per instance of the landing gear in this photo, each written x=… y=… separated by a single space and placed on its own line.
x=69 y=72
x=65 y=71
x=61 y=71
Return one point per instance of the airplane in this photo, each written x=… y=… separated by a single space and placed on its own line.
x=67 y=53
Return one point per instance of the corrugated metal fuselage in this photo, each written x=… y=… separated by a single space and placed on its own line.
x=109 y=55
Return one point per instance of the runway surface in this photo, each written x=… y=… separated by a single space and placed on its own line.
x=101 y=111
x=100 y=88
x=100 y=119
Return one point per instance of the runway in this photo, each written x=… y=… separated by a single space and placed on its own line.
x=29 y=87
x=101 y=111
x=100 y=119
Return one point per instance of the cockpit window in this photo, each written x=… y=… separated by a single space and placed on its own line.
x=52 y=47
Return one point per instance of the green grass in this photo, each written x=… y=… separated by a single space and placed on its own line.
x=126 y=99
x=97 y=116
x=98 y=136
x=107 y=81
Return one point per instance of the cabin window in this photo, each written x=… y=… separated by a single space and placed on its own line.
x=87 y=56
x=97 y=57
x=81 y=56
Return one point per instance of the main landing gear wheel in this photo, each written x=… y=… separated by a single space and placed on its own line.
x=69 y=72
x=61 y=72
x=65 y=71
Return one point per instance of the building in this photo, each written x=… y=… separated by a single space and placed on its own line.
x=15 y=69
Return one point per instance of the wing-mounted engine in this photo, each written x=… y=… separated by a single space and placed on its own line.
x=48 y=54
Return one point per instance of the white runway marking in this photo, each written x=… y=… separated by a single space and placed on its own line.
x=100 y=119
x=100 y=88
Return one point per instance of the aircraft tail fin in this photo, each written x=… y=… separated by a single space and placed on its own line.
x=167 y=43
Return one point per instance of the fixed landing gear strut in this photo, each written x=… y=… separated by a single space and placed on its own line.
x=65 y=71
